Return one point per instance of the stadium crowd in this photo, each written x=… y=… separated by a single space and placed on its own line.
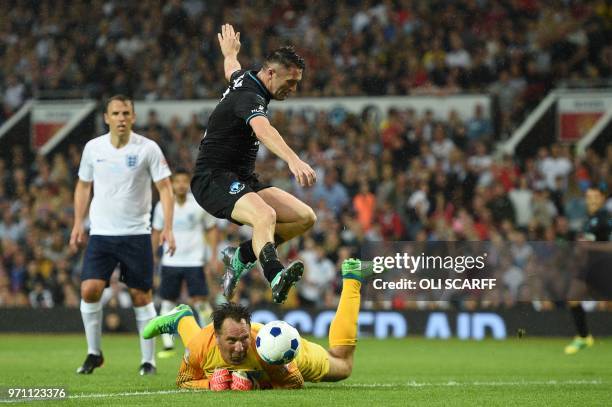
x=410 y=177
x=516 y=49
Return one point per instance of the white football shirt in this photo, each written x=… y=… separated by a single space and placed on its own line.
x=190 y=222
x=121 y=203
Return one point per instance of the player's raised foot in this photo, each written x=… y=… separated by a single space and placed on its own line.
x=357 y=269
x=166 y=353
x=285 y=279
x=91 y=362
x=234 y=269
x=168 y=323
x=147 y=369
x=578 y=344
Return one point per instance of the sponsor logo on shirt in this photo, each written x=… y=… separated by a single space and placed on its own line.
x=236 y=187
x=260 y=109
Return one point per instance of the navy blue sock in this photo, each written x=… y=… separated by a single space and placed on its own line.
x=580 y=320
x=269 y=261
x=246 y=253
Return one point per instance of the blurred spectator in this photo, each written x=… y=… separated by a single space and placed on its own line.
x=320 y=272
x=14 y=94
x=479 y=128
x=40 y=297
x=521 y=198
x=410 y=176
x=554 y=166
x=331 y=191
x=364 y=204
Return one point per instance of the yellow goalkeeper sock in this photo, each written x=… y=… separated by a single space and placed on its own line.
x=343 y=329
x=188 y=328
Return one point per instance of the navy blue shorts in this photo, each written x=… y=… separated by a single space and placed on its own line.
x=218 y=190
x=172 y=278
x=133 y=253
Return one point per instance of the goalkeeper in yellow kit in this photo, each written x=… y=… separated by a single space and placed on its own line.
x=222 y=355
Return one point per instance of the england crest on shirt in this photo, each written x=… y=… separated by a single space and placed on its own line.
x=131 y=160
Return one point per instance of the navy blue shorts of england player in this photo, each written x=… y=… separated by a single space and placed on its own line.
x=133 y=253
x=172 y=278
x=218 y=190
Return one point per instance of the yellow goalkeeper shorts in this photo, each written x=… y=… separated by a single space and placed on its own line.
x=312 y=361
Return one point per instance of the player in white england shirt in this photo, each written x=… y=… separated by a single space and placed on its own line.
x=120 y=165
x=194 y=250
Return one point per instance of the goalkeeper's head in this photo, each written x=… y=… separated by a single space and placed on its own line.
x=232 y=323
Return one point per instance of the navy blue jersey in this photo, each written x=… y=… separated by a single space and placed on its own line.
x=229 y=142
x=598 y=226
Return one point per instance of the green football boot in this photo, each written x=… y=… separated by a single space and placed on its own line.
x=286 y=279
x=578 y=344
x=357 y=269
x=168 y=323
x=234 y=270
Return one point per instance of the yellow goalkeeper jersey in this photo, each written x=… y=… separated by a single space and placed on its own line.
x=202 y=357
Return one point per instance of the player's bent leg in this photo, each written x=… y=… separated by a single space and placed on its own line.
x=172 y=323
x=140 y=298
x=293 y=217
x=250 y=209
x=340 y=363
x=253 y=210
x=343 y=329
x=91 y=289
x=187 y=328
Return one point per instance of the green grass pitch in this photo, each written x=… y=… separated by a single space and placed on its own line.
x=404 y=372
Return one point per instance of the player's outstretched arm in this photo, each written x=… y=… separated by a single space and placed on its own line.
x=272 y=139
x=166 y=196
x=191 y=377
x=285 y=376
x=82 y=193
x=230 y=46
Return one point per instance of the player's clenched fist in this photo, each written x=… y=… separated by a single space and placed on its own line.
x=221 y=380
x=240 y=381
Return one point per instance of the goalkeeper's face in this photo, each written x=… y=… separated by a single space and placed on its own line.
x=234 y=340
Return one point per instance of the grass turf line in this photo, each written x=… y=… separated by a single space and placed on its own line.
x=411 y=371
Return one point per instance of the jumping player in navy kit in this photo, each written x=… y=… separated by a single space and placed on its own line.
x=224 y=181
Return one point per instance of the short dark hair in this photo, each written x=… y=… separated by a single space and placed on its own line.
x=599 y=188
x=231 y=310
x=181 y=171
x=285 y=56
x=121 y=98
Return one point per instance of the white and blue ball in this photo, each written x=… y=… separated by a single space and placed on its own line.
x=278 y=343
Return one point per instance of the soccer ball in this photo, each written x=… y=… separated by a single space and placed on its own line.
x=278 y=343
